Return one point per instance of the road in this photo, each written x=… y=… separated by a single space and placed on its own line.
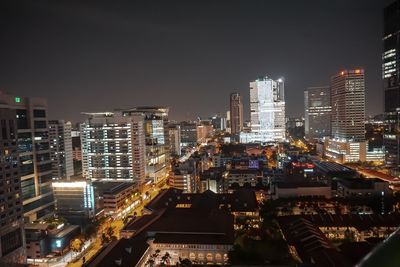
x=117 y=224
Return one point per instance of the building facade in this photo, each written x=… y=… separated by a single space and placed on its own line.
x=317 y=113
x=391 y=84
x=188 y=133
x=236 y=113
x=204 y=131
x=267 y=111
x=218 y=123
x=113 y=147
x=348 y=120
x=348 y=105
x=175 y=139
x=157 y=140
x=11 y=214
x=61 y=149
x=75 y=201
x=34 y=154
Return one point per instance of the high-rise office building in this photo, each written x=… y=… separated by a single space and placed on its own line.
x=267 y=110
x=348 y=120
x=188 y=133
x=175 y=139
x=348 y=105
x=236 y=113
x=317 y=113
x=391 y=84
x=218 y=122
x=113 y=147
x=61 y=149
x=204 y=131
x=11 y=219
x=157 y=140
x=34 y=154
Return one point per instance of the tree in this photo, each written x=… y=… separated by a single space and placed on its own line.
x=90 y=231
x=76 y=244
x=153 y=258
x=108 y=235
x=184 y=262
x=165 y=259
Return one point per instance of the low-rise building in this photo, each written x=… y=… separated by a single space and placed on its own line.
x=76 y=201
x=204 y=236
x=115 y=195
x=240 y=202
x=300 y=189
x=213 y=180
x=183 y=180
x=352 y=187
x=242 y=177
x=43 y=239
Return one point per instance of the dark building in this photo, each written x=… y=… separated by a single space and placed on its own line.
x=218 y=122
x=391 y=83
x=317 y=113
x=236 y=108
x=11 y=214
x=295 y=127
x=374 y=130
x=198 y=227
x=188 y=133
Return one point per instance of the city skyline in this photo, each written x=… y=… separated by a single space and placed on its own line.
x=188 y=133
x=121 y=66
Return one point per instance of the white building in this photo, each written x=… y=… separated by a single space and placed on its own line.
x=113 y=147
x=267 y=110
x=61 y=149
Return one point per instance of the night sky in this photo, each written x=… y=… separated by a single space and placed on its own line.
x=188 y=55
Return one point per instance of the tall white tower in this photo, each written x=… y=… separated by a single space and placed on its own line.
x=267 y=110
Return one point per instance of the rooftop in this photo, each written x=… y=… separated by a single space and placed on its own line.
x=297 y=184
x=239 y=200
x=358 y=221
x=112 y=187
x=360 y=183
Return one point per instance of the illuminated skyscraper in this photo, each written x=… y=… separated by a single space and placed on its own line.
x=157 y=140
x=267 y=110
x=348 y=105
x=391 y=84
x=113 y=147
x=236 y=113
x=348 y=120
x=61 y=149
x=317 y=114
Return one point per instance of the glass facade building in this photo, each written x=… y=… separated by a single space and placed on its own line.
x=34 y=155
x=11 y=213
x=391 y=84
x=317 y=113
x=61 y=149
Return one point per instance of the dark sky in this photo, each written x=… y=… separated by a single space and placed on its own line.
x=188 y=55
